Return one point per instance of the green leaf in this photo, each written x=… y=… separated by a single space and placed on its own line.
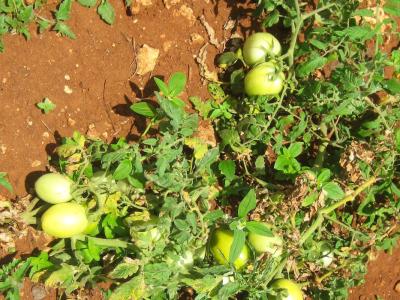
x=106 y=12
x=161 y=86
x=27 y=14
x=87 y=3
x=229 y=290
x=392 y=7
x=248 y=203
x=333 y=190
x=397 y=139
x=123 y=170
x=259 y=228
x=213 y=215
x=358 y=33
x=46 y=105
x=210 y=157
x=177 y=83
x=4 y=182
x=272 y=18
x=203 y=107
x=43 y=25
x=239 y=241
x=125 y=269
x=392 y=85
x=64 y=30
x=144 y=109
x=63 y=12
x=135 y=288
x=324 y=176
x=310 y=199
x=295 y=149
x=310 y=66
x=227 y=59
x=318 y=44
x=227 y=168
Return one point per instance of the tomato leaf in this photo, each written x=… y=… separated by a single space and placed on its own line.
x=87 y=3
x=311 y=65
x=310 y=199
x=324 y=176
x=213 y=216
x=64 y=30
x=248 y=203
x=227 y=168
x=176 y=84
x=239 y=240
x=125 y=269
x=259 y=228
x=333 y=190
x=161 y=86
x=4 y=182
x=123 y=170
x=106 y=12
x=144 y=109
x=46 y=105
x=393 y=86
x=64 y=10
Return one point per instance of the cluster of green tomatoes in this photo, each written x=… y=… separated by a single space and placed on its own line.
x=265 y=76
x=63 y=219
x=220 y=245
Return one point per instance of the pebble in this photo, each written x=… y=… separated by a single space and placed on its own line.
x=397 y=287
x=36 y=163
x=67 y=90
x=67 y=77
x=38 y=293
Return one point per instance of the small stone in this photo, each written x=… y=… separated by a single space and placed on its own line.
x=38 y=293
x=397 y=287
x=4 y=80
x=67 y=90
x=30 y=122
x=36 y=163
x=3 y=149
x=46 y=135
x=169 y=3
x=196 y=38
x=67 y=77
x=146 y=59
x=186 y=12
x=71 y=122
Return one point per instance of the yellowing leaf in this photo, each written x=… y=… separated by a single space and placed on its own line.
x=199 y=146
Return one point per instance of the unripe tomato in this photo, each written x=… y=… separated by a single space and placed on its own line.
x=292 y=289
x=264 y=79
x=220 y=245
x=265 y=244
x=259 y=46
x=64 y=220
x=54 y=188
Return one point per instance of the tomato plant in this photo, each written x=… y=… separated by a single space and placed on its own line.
x=54 y=188
x=64 y=220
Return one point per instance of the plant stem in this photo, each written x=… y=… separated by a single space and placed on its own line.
x=327 y=210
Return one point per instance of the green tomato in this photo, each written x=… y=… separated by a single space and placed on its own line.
x=264 y=79
x=292 y=289
x=259 y=46
x=265 y=244
x=220 y=245
x=64 y=220
x=54 y=188
x=327 y=255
